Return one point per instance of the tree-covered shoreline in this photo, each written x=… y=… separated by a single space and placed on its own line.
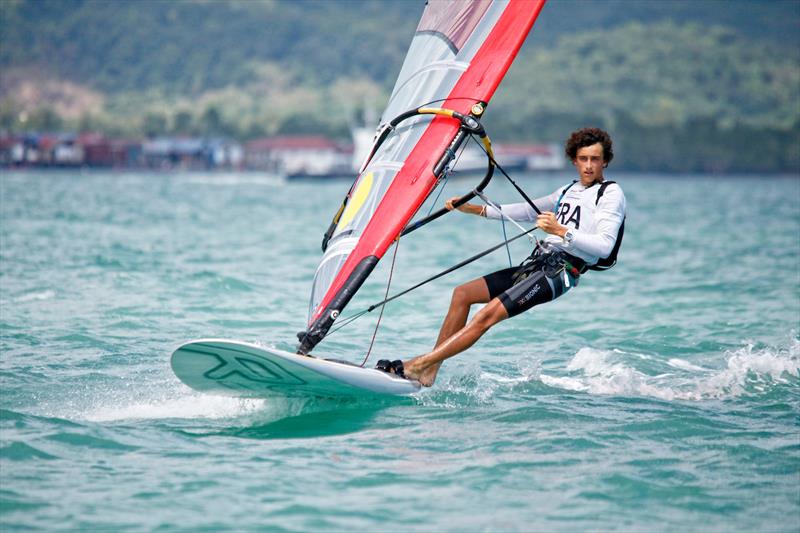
x=679 y=92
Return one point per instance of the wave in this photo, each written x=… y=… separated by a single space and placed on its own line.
x=176 y=401
x=747 y=372
x=35 y=295
x=20 y=451
x=189 y=406
x=744 y=372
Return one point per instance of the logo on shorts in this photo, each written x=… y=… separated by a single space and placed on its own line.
x=531 y=293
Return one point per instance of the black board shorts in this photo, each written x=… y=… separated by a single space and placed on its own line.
x=536 y=289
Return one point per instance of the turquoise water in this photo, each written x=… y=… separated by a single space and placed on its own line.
x=660 y=396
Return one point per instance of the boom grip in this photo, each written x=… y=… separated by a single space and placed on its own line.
x=436 y=214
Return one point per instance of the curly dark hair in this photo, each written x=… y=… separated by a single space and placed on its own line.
x=587 y=137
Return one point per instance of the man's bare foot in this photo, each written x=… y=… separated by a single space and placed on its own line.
x=425 y=376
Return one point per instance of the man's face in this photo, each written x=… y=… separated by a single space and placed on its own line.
x=589 y=162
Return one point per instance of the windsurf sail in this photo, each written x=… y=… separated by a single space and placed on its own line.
x=457 y=58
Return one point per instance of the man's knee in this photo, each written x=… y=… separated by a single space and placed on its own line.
x=470 y=293
x=461 y=296
x=489 y=316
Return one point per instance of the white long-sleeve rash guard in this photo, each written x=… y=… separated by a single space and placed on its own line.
x=595 y=226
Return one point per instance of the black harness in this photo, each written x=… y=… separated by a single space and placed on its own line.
x=550 y=261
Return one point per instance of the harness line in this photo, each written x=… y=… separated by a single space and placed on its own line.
x=463 y=263
x=388 y=284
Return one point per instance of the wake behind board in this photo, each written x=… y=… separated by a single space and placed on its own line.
x=241 y=369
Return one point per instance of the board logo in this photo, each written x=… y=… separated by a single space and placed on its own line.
x=241 y=367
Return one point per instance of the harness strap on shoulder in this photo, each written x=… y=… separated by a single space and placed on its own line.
x=607 y=262
x=601 y=190
x=558 y=203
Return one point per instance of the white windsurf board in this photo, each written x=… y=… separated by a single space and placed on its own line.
x=241 y=369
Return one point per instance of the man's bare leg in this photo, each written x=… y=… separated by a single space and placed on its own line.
x=464 y=296
x=424 y=367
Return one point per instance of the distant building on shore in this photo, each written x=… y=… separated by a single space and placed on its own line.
x=100 y=151
x=191 y=153
x=299 y=156
x=48 y=150
x=310 y=156
x=97 y=150
x=534 y=156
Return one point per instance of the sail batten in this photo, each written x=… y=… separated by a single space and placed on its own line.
x=458 y=56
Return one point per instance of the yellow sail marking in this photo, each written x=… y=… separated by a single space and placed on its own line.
x=357 y=200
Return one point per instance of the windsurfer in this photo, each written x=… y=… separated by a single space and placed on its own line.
x=582 y=220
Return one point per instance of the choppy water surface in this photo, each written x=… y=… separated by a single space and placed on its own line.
x=662 y=395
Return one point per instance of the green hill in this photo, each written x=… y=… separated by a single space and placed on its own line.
x=658 y=70
x=191 y=46
x=680 y=97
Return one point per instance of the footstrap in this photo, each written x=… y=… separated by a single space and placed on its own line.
x=398 y=368
x=391 y=367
